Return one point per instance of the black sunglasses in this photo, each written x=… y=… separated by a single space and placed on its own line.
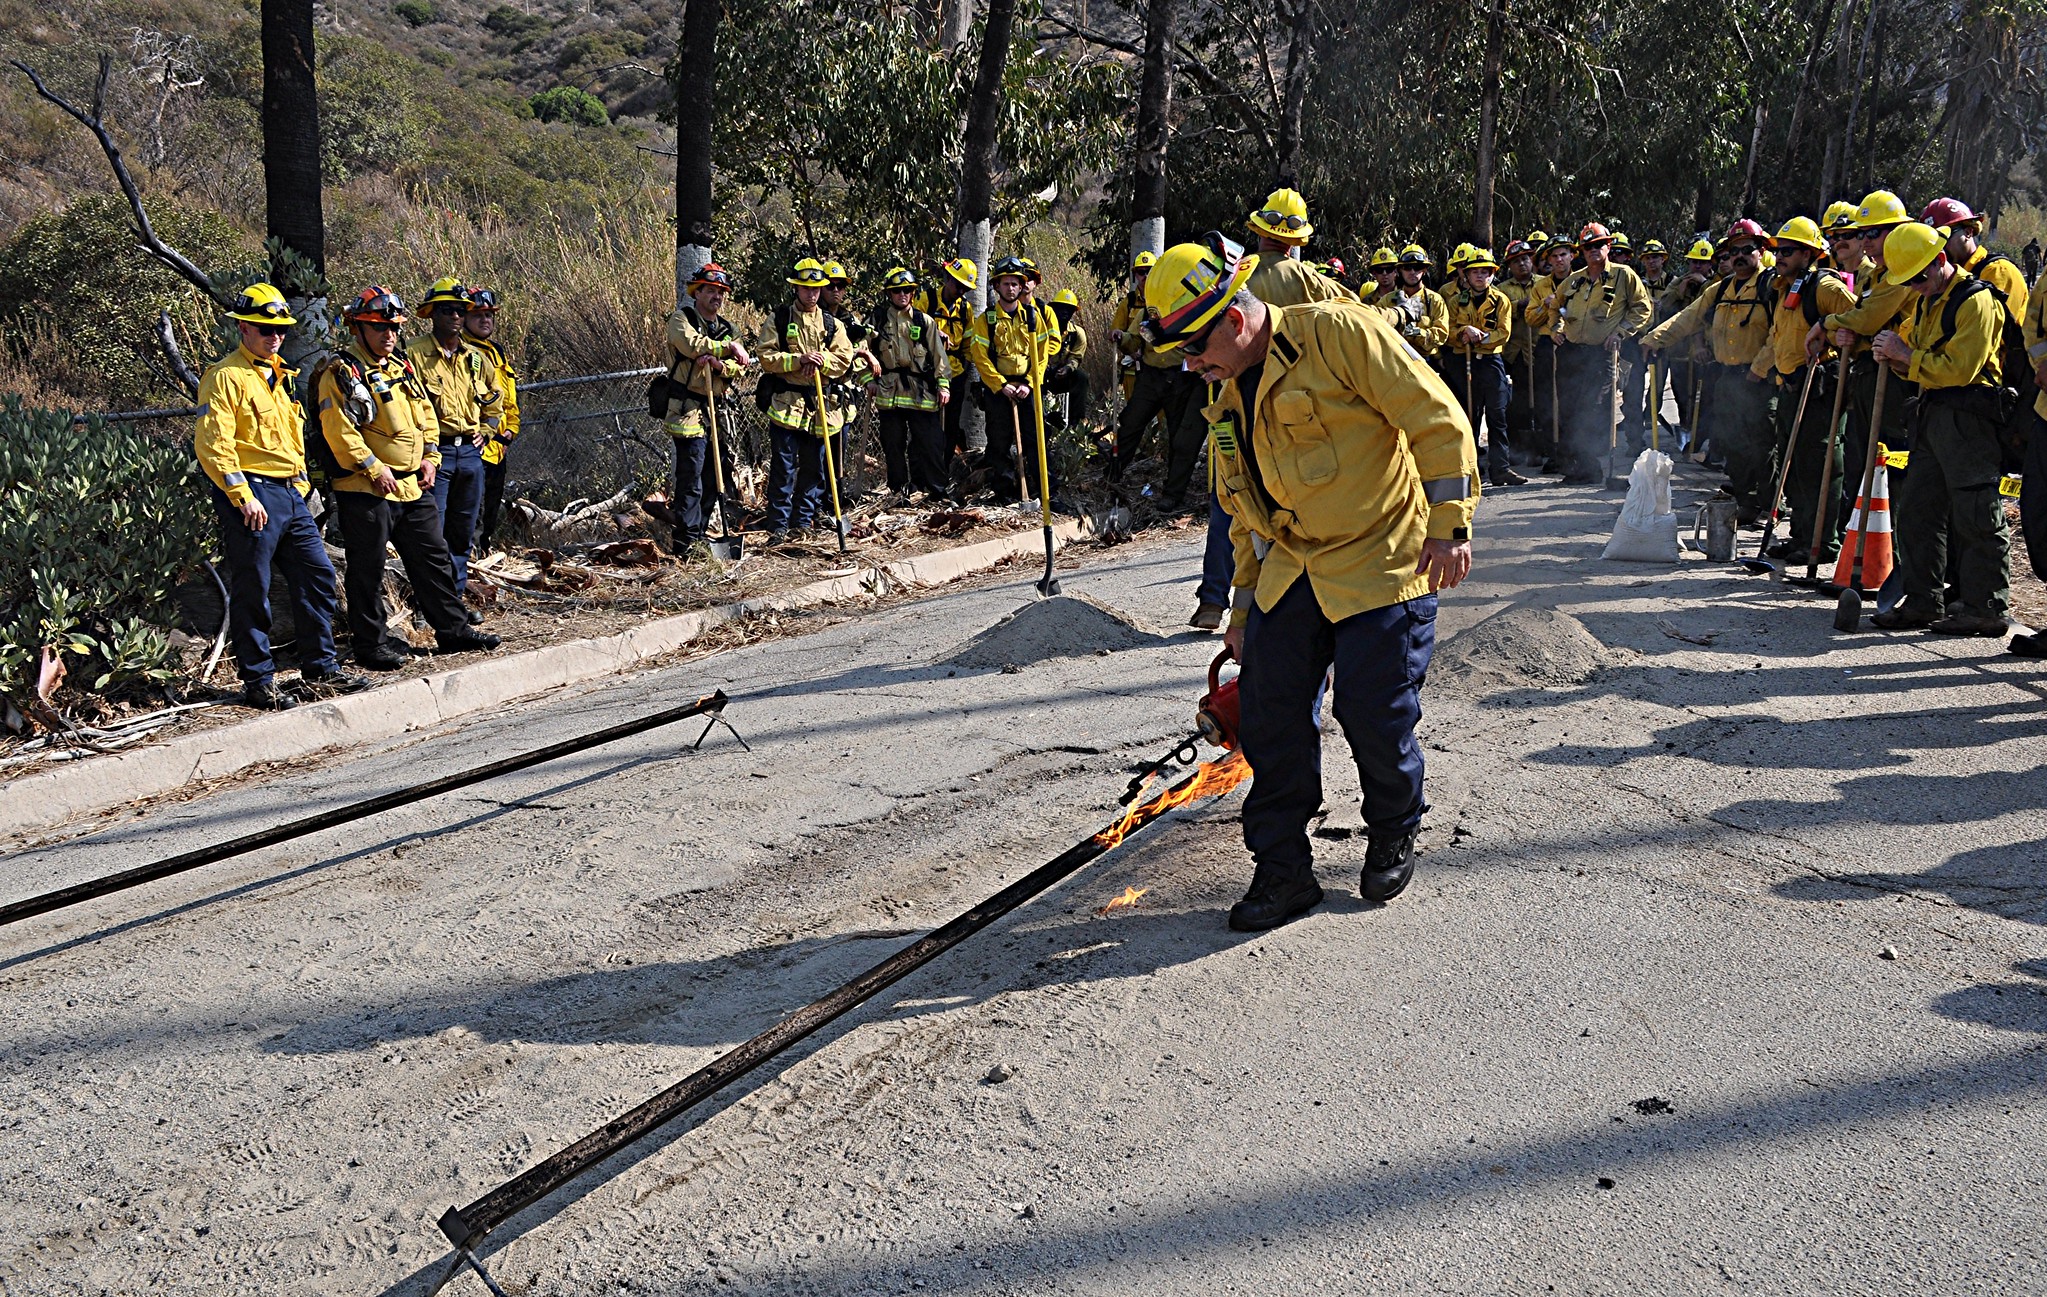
x=1197 y=344
x=271 y=330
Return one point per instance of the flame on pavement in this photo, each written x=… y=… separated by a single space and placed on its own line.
x=1210 y=779
x=1131 y=895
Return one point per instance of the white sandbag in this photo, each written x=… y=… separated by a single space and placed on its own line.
x=1647 y=529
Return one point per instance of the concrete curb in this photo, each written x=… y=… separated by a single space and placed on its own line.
x=48 y=798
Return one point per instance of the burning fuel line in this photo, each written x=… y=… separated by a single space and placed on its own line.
x=465 y=1227
x=712 y=705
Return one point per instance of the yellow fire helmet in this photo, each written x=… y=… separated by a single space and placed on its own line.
x=1910 y=249
x=1460 y=257
x=1840 y=216
x=1064 y=306
x=836 y=273
x=1284 y=217
x=1701 y=251
x=1537 y=238
x=446 y=291
x=809 y=273
x=1479 y=259
x=1065 y=297
x=1879 y=209
x=1189 y=287
x=1799 y=231
x=898 y=277
x=1620 y=241
x=1143 y=261
x=1384 y=259
x=964 y=272
x=262 y=304
x=1654 y=248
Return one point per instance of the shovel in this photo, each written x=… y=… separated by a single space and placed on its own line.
x=831 y=472
x=1049 y=584
x=1023 y=488
x=727 y=548
x=1821 y=511
x=1761 y=563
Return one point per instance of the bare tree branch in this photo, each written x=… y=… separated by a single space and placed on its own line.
x=1246 y=112
x=145 y=233
x=169 y=342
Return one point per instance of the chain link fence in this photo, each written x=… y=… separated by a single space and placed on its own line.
x=586 y=436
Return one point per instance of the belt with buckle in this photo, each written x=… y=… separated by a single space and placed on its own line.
x=458 y=441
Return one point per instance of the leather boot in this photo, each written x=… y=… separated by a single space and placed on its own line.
x=1275 y=897
x=463 y=640
x=1389 y=864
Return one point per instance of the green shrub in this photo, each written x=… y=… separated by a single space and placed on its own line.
x=80 y=270
x=568 y=104
x=372 y=118
x=514 y=24
x=416 y=13
x=98 y=522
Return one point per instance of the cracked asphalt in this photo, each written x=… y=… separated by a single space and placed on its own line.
x=1723 y=971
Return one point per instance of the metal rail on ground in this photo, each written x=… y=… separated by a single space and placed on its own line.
x=465 y=1227
x=712 y=705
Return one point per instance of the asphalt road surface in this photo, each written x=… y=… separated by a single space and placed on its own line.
x=1723 y=971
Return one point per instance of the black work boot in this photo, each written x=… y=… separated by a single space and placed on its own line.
x=1275 y=897
x=265 y=696
x=1389 y=863
x=463 y=640
x=334 y=680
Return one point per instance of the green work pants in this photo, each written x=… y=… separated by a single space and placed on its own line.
x=1744 y=429
x=1807 y=446
x=1949 y=499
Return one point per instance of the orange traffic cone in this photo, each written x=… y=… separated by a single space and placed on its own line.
x=1865 y=561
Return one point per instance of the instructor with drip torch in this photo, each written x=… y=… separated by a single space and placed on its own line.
x=1350 y=476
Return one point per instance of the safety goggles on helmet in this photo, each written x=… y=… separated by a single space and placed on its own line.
x=1189 y=289
x=246 y=306
x=376 y=305
x=1284 y=221
x=483 y=299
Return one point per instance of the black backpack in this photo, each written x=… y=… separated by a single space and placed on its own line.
x=2009 y=406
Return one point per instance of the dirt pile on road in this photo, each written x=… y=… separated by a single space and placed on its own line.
x=1061 y=626
x=1521 y=648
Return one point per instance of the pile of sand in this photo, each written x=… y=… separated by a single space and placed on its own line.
x=1064 y=625
x=1520 y=648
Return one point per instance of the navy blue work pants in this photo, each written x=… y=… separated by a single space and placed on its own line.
x=1487 y=394
x=1219 y=559
x=796 y=485
x=1381 y=659
x=291 y=538
x=458 y=494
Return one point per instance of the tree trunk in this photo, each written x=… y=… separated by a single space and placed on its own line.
x=1876 y=71
x=291 y=131
x=1755 y=148
x=695 y=107
x=974 y=232
x=1829 y=168
x=1855 y=101
x=1488 y=126
x=1300 y=62
x=1702 y=209
x=1787 y=165
x=1154 y=103
x=956 y=23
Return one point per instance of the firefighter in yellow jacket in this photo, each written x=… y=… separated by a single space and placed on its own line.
x=1348 y=470
x=1282 y=229
x=1949 y=507
x=382 y=437
x=798 y=343
x=463 y=386
x=914 y=388
x=1735 y=314
x=479 y=330
x=248 y=444
x=2033 y=481
x=1804 y=291
x=705 y=355
x=1417 y=310
x=1160 y=388
x=1011 y=351
x=944 y=296
x=1880 y=306
x=1597 y=308
x=1481 y=319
